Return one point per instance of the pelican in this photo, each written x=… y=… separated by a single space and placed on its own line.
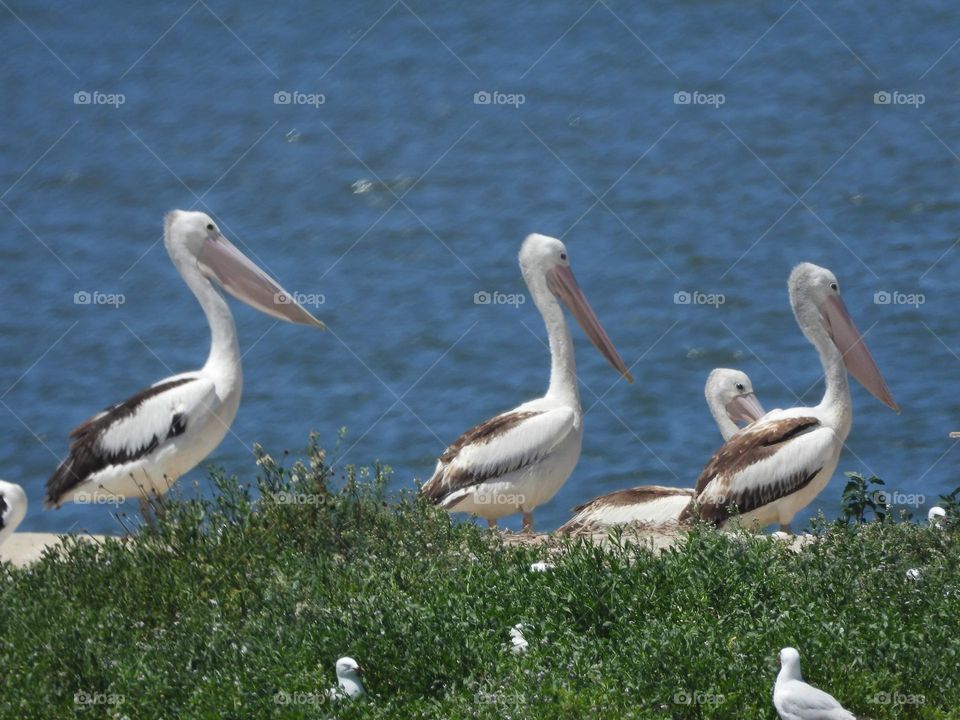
x=731 y=399
x=349 y=684
x=519 y=459
x=13 y=506
x=796 y=700
x=142 y=445
x=778 y=465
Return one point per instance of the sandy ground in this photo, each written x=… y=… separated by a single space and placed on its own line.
x=23 y=548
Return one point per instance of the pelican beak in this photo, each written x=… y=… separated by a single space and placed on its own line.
x=220 y=260
x=856 y=354
x=745 y=408
x=564 y=285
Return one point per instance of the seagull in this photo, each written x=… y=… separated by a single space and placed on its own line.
x=349 y=685
x=13 y=506
x=140 y=446
x=796 y=700
x=520 y=459
x=542 y=566
x=518 y=642
x=731 y=399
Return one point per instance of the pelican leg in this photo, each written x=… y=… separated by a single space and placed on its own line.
x=492 y=524
x=528 y=523
x=785 y=527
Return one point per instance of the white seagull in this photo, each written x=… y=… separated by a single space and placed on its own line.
x=779 y=464
x=142 y=445
x=519 y=459
x=349 y=685
x=796 y=700
x=731 y=399
x=13 y=506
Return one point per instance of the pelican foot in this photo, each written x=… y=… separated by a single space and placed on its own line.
x=528 y=523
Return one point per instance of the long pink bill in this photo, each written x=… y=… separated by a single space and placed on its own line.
x=745 y=408
x=240 y=277
x=564 y=285
x=856 y=354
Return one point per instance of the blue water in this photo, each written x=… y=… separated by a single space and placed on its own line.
x=695 y=197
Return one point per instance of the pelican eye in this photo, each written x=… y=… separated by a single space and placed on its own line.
x=740 y=387
x=833 y=286
x=563 y=256
x=210 y=228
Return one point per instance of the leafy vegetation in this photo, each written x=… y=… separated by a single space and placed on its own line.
x=239 y=607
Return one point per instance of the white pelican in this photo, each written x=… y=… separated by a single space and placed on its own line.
x=143 y=444
x=13 y=506
x=731 y=399
x=779 y=464
x=349 y=685
x=796 y=700
x=519 y=459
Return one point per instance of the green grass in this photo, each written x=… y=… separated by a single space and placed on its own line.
x=232 y=603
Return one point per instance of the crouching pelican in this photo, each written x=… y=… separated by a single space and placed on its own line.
x=731 y=399
x=13 y=506
x=777 y=466
x=143 y=444
x=519 y=459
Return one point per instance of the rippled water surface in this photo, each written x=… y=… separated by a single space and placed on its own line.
x=398 y=198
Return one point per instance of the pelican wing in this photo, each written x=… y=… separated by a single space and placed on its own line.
x=765 y=462
x=504 y=444
x=645 y=505
x=132 y=429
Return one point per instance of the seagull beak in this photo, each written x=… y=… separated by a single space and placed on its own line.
x=220 y=260
x=856 y=354
x=564 y=285
x=359 y=670
x=745 y=408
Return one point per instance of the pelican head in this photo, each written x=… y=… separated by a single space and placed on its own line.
x=545 y=264
x=821 y=313
x=790 y=663
x=193 y=238
x=733 y=391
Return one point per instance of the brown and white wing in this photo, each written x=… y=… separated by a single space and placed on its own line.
x=504 y=444
x=646 y=505
x=763 y=463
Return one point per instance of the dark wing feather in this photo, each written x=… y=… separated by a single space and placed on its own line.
x=443 y=480
x=87 y=454
x=754 y=444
